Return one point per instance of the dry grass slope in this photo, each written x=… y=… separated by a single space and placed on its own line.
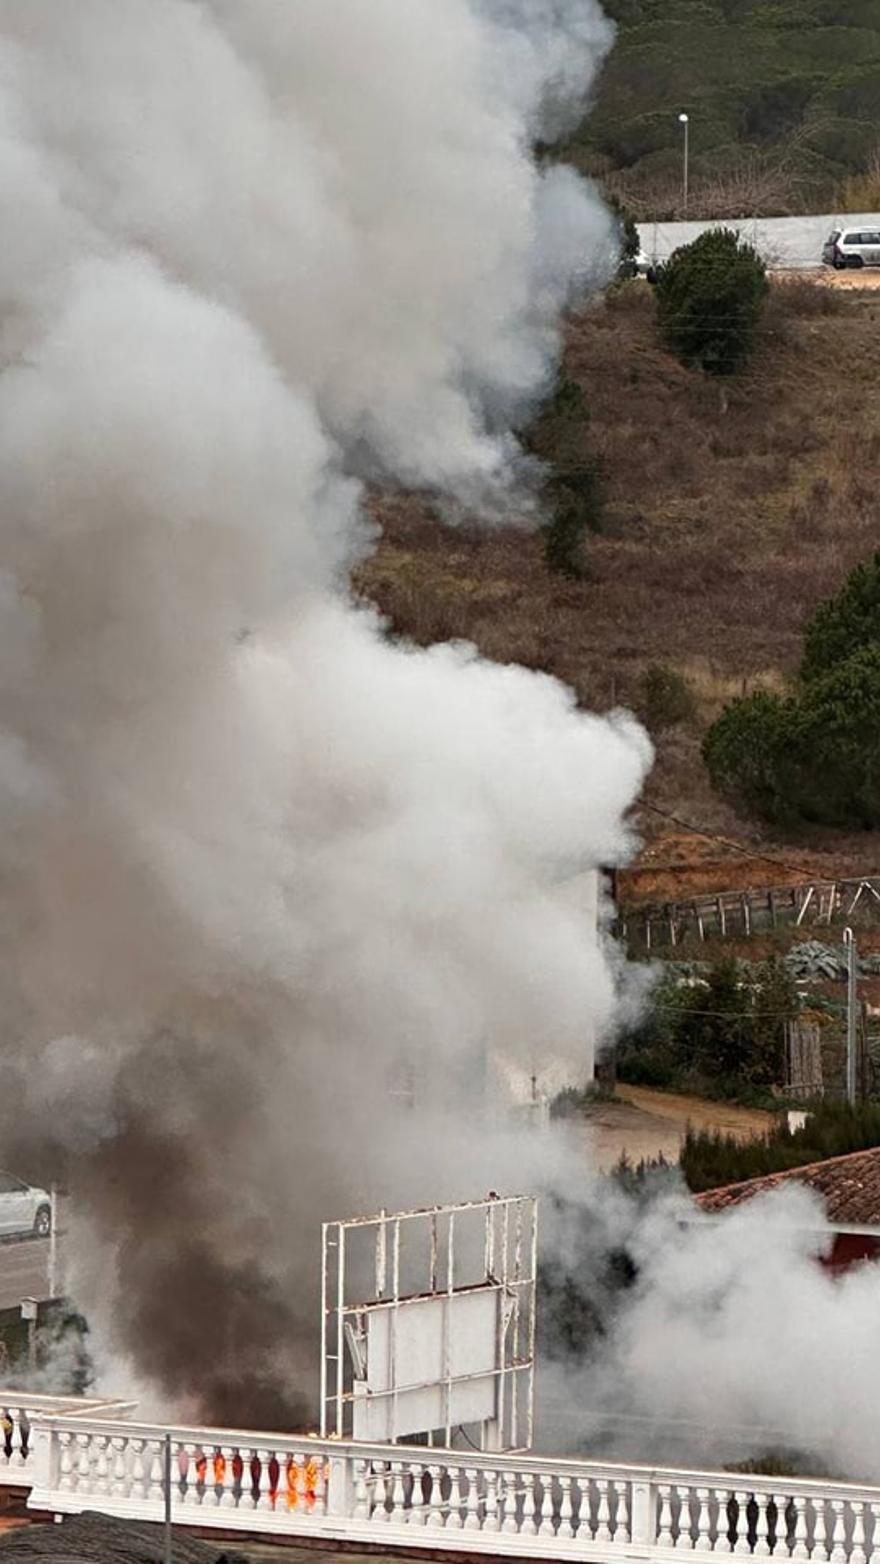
x=733 y=509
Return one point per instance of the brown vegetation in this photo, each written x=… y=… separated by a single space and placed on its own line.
x=731 y=512
x=861 y=192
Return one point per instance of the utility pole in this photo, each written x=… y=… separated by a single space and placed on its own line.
x=684 y=119
x=852 y=963
x=166 y=1551
x=29 y=1311
x=53 y=1243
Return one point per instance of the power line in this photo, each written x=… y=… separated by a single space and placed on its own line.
x=738 y=1016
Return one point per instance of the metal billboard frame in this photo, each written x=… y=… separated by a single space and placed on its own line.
x=499 y=1237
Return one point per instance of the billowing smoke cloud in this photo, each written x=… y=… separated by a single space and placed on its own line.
x=693 y=1342
x=257 y=864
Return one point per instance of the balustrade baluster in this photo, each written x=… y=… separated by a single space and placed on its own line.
x=722 y=1522
x=16 y=1447
x=664 y=1534
x=397 y=1492
x=622 y=1531
x=580 y=1501
x=565 y=1528
x=83 y=1463
x=857 y=1553
x=873 y=1542
x=819 y=1554
x=189 y=1477
x=544 y=1515
x=156 y=1466
x=322 y=1486
x=246 y=1485
x=509 y=1500
x=24 y=1442
x=227 y=1496
x=472 y=1520
x=139 y=1477
x=742 y=1544
x=762 y=1527
x=213 y=1471
x=781 y=1546
x=379 y=1513
x=65 y=1462
x=527 y=1526
x=263 y=1495
x=361 y=1491
x=603 y=1530
x=101 y=1479
x=294 y=1480
x=416 y=1513
x=434 y=1517
x=838 y=1536
x=453 y=1518
x=282 y=1485
x=119 y=1485
x=684 y=1541
x=492 y=1520
x=703 y=1543
x=799 y=1547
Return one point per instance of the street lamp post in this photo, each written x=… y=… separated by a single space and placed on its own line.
x=684 y=119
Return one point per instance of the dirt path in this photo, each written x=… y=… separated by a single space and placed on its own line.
x=645 y=1123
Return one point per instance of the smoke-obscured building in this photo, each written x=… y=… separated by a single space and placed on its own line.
x=535 y=1080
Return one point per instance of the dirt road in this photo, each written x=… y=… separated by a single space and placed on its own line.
x=646 y=1123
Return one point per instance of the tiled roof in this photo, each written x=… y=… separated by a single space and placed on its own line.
x=850 y=1187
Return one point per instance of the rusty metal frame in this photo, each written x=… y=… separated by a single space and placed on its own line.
x=509 y=1266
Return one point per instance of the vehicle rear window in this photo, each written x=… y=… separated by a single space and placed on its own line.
x=852 y=239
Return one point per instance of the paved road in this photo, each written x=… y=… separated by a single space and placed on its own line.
x=785 y=242
x=24 y=1270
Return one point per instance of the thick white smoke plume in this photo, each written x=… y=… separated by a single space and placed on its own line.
x=256 y=862
x=734 y=1340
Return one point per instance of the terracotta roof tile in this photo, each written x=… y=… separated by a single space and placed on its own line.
x=849 y=1185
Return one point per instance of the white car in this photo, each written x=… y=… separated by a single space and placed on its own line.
x=24 y=1208
x=847 y=248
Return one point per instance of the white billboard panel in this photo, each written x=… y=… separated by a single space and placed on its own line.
x=421 y=1361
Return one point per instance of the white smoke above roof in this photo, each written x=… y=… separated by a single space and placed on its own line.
x=252 y=855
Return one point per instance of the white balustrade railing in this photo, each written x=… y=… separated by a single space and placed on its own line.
x=444 y=1500
x=18 y=1411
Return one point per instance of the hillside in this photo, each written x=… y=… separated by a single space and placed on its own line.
x=731 y=512
x=783 y=97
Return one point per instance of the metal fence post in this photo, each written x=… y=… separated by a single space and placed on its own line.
x=851 y=1008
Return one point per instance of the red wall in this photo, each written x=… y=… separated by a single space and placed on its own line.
x=849 y=1248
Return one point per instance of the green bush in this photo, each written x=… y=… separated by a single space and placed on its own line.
x=628 y=233
x=723 y=1035
x=574 y=486
x=709 y=1159
x=846 y=622
x=814 y=756
x=833 y=729
x=665 y=697
x=577 y=497
x=710 y=297
x=746 y=755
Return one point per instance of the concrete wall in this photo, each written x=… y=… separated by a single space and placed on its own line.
x=793 y=243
